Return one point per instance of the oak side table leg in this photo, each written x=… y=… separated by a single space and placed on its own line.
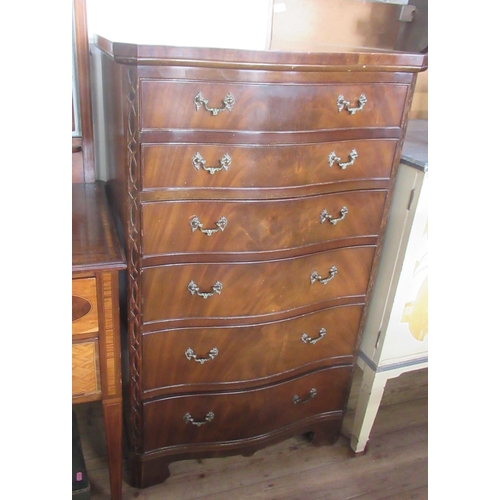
x=113 y=425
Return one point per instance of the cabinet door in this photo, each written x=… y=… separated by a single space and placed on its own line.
x=406 y=338
x=396 y=324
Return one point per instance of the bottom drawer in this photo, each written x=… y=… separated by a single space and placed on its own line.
x=220 y=417
x=85 y=368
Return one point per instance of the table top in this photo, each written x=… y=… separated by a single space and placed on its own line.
x=416 y=144
x=96 y=245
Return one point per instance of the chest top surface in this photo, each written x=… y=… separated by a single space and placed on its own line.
x=337 y=59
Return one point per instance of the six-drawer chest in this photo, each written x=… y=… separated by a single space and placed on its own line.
x=252 y=190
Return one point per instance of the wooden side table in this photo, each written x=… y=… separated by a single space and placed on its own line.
x=97 y=258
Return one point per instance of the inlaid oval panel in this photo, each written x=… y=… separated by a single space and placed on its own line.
x=81 y=307
x=85 y=310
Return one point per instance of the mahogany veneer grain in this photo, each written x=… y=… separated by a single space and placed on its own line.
x=283 y=126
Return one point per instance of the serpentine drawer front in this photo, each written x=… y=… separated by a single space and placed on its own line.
x=270 y=107
x=248 y=289
x=260 y=226
x=200 y=165
x=220 y=417
x=202 y=358
x=253 y=191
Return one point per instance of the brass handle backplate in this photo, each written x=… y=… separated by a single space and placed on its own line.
x=199 y=162
x=190 y=354
x=308 y=340
x=333 y=158
x=342 y=103
x=189 y=419
x=228 y=103
x=193 y=288
x=325 y=216
x=316 y=277
x=297 y=400
x=195 y=224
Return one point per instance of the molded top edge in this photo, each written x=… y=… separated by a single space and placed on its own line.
x=340 y=59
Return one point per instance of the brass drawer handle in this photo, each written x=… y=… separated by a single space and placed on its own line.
x=297 y=400
x=195 y=224
x=325 y=216
x=189 y=419
x=199 y=162
x=193 y=288
x=342 y=103
x=316 y=277
x=191 y=355
x=228 y=103
x=333 y=158
x=308 y=340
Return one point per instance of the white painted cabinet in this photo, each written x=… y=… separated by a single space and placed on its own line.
x=395 y=338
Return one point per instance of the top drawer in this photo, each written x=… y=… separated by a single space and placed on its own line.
x=227 y=106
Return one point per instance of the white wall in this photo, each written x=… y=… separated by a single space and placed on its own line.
x=240 y=24
x=235 y=24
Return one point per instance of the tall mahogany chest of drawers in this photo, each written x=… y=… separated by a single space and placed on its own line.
x=252 y=189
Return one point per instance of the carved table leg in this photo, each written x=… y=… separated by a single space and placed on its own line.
x=113 y=425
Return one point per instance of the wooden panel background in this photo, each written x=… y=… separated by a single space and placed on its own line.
x=319 y=25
